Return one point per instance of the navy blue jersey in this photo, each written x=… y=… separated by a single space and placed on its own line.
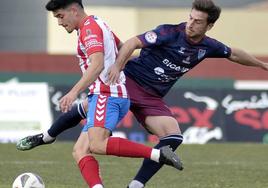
x=167 y=55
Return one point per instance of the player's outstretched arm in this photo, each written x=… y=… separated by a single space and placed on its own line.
x=244 y=58
x=126 y=50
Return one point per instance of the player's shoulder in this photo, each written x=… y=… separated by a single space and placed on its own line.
x=89 y=24
x=211 y=41
x=90 y=20
x=89 y=28
x=170 y=29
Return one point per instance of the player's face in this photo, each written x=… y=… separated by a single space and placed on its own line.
x=66 y=19
x=197 y=25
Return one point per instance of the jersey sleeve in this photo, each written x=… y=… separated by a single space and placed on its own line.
x=220 y=50
x=154 y=37
x=92 y=38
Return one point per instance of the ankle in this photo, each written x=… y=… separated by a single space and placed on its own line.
x=47 y=138
x=135 y=184
x=98 y=186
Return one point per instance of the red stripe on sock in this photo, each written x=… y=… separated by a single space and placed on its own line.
x=125 y=148
x=89 y=169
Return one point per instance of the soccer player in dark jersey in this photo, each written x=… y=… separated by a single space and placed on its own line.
x=168 y=52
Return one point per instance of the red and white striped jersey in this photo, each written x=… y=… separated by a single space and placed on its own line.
x=95 y=36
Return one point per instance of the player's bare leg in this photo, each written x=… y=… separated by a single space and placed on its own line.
x=87 y=163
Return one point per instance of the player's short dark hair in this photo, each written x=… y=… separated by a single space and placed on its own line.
x=53 y=5
x=208 y=7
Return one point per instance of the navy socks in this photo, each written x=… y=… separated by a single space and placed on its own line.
x=67 y=120
x=149 y=168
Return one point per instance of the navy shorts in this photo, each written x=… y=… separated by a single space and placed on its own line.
x=144 y=103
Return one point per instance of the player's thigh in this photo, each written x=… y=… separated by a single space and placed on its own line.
x=81 y=147
x=162 y=125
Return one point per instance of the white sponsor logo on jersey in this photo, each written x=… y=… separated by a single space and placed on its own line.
x=92 y=43
x=90 y=36
x=150 y=37
x=175 y=67
x=159 y=71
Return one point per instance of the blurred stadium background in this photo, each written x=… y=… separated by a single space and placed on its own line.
x=216 y=102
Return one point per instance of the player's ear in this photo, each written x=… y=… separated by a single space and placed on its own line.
x=209 y=26
x=74 y=9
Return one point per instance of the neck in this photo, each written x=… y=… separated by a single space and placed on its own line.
x=196 y=39
x=81 y=17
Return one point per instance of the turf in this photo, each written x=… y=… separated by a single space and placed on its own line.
x=206 y=166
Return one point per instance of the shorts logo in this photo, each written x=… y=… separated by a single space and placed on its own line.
x=151 y=37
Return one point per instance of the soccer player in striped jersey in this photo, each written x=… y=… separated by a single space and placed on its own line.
x=108 y=103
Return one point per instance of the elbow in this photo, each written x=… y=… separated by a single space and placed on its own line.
x=134 y=43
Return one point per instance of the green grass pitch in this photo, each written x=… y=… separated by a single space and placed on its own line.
x=206 y=166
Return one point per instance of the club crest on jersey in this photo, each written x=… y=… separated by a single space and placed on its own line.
x=88 y=32
x=201 y=53
x=151 y=37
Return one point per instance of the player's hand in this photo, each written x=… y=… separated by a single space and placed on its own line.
x=66 y=102
x=113 y=74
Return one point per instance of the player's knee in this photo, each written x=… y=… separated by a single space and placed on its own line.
x=162 y=126
x=78 y=153
x=97 y=146
x=75 y=156
x=173 y=130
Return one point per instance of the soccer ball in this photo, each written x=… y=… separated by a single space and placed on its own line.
x=28 y=180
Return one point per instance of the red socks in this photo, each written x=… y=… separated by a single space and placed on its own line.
x=89 y=168
x=124 y=148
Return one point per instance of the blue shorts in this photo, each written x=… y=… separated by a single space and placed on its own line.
x=105 y=111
